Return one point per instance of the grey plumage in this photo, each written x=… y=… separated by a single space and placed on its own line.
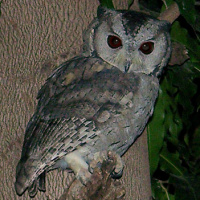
x=100 y=100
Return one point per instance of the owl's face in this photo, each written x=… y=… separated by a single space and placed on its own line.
x=129 y=40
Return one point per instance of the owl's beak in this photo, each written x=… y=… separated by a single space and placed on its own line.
x=127 y=66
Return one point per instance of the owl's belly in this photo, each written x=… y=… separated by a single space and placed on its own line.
x=120 y=133
x=123 y=125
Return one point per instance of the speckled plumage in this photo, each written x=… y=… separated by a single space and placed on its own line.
x=95 y=102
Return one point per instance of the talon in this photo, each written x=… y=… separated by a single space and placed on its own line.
x=99 y=157
x=117 y=173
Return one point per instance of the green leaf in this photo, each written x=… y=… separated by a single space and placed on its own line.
x=187 y=9
x=160 y=192
x=156 y=132
x=170 y=162
x=107 y=4
x=173 y=131
x=182 y=78
x=197 y=27
x=165 y=119
x=130 y=2
x=195 y=144
x=166 y=4
x=179 y=34
x=187 y=186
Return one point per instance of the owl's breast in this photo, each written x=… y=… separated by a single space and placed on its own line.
x=122 y=122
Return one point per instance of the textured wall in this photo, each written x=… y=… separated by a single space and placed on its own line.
x=34 y=37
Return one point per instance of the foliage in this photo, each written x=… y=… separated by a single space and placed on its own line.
x=174 y=129
x=106 y=3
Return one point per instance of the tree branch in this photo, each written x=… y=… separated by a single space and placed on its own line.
x=100 y=186
x=170 y=14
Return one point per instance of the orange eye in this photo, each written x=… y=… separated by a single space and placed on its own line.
x=114 y=42
x=147 y=47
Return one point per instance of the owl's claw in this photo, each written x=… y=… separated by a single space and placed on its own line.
x=117 y=174
x=118 y=171
x=100 y=157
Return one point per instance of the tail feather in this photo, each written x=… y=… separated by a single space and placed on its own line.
x=41 y=185
x=32 y=190
x=25 y=179
x=22 y=179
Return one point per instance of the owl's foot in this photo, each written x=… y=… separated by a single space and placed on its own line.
x=100 y=186
x=117 y=173
x=103 y=156
x=98 y=159
x=79 y=166
x=84 y=176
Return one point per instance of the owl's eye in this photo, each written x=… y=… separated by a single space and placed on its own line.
x=114 y=42
x=147 y=47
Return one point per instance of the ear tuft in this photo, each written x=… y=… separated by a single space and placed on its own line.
x=101 y=11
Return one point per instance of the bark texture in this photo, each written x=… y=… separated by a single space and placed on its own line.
x=35 y=36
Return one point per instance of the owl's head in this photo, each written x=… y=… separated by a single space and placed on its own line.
x=128 y=40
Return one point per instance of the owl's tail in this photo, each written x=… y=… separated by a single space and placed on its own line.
x=24 y=180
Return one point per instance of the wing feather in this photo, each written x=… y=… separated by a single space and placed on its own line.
x=64 y=118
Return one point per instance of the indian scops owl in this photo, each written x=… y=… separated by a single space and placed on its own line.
x=98 y=101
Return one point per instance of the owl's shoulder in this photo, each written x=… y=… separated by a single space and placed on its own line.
x=68 y=73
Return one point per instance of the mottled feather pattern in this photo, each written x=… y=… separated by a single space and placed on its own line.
x=56 y=124
x=53 y=139
x=98 y=101
x=78 y=97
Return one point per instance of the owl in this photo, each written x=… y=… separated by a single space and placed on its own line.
x=98 y=101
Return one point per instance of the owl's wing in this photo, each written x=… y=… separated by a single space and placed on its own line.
x=69 y=72
x=66 y=114
x=67 y=109
x=49 y=141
